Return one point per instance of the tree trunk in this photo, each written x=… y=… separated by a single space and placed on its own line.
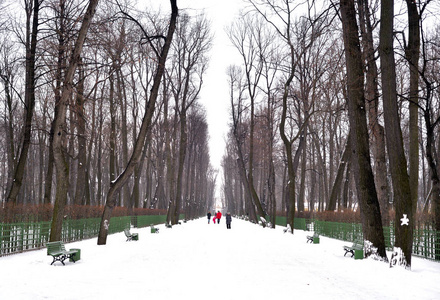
x=288 y=150
x=433 y=164
x=396 y=153
x=112 y=142
x=60 y=123
x=80 y=191
x=372 y=99
x=122 y=100
x=254 y=195
x=6 y=77
x=346 y=156
x=412 y=54
x=301 y=195
x=31 y=48
x=61 y=62
x=181 y=159
x=366 y=190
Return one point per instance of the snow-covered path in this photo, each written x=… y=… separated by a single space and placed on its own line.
x=200 y=261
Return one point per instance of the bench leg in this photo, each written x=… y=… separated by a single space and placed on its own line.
x=59 y=258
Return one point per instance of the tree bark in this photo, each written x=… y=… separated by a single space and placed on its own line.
x=61 y=62
x=372 y=99
x=366 y=190
x=181 y=158
x=433 y=164
x=80 y=190
x=30 y=80
x=346 y=156
x=7 y=77
x=288 y=150
x=60 y=123
x=396 y=153
x=112 y=141
x=412 y=55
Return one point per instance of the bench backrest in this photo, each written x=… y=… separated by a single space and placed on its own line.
x=358 y=243
x=55 y=247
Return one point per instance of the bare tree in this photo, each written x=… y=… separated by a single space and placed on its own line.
x=250 y=39
x=238 y=109
x=413 y=55
x=32 y=12
x=396 y=153
x=372 y=100
x=190 y=47
x=366 y=190
x=429 y=102
x=8 y=77
x=279 y=15
x=60 y=124
x=116 y=185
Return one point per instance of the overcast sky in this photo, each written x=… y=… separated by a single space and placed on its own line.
x=215 y=92
x=214 y=95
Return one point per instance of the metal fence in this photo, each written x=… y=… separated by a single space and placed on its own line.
x=19 y=237
x=426 y=241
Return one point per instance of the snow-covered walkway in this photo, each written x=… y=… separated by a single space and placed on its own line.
x=200 y=261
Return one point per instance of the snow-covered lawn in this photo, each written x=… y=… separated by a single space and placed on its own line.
x=200 y=261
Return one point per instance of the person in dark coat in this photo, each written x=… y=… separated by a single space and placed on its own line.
x=209 y=216
x=228 y=220
x=218 y=217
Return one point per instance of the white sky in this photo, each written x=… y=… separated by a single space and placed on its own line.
x=214 y=95
x=215 y=92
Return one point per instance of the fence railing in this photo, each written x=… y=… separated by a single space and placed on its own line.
x=19 y=237
x=426 y=241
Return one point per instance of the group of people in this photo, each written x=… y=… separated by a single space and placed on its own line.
x=217 y=217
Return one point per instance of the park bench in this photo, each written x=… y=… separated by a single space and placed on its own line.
x=313 y=238
x=358 y=245
x=131 y=236
x=154 y=229
x=59 y=253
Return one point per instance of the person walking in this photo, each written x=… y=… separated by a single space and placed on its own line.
x=218 y=216
x=228 y=220
x=209 y=216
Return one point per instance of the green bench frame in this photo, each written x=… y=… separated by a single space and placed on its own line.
x=59 y=253
x=357 y=245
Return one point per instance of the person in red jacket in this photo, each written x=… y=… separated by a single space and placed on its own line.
x=218 y=216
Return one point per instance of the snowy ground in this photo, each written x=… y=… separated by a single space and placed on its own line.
x=200 y=261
